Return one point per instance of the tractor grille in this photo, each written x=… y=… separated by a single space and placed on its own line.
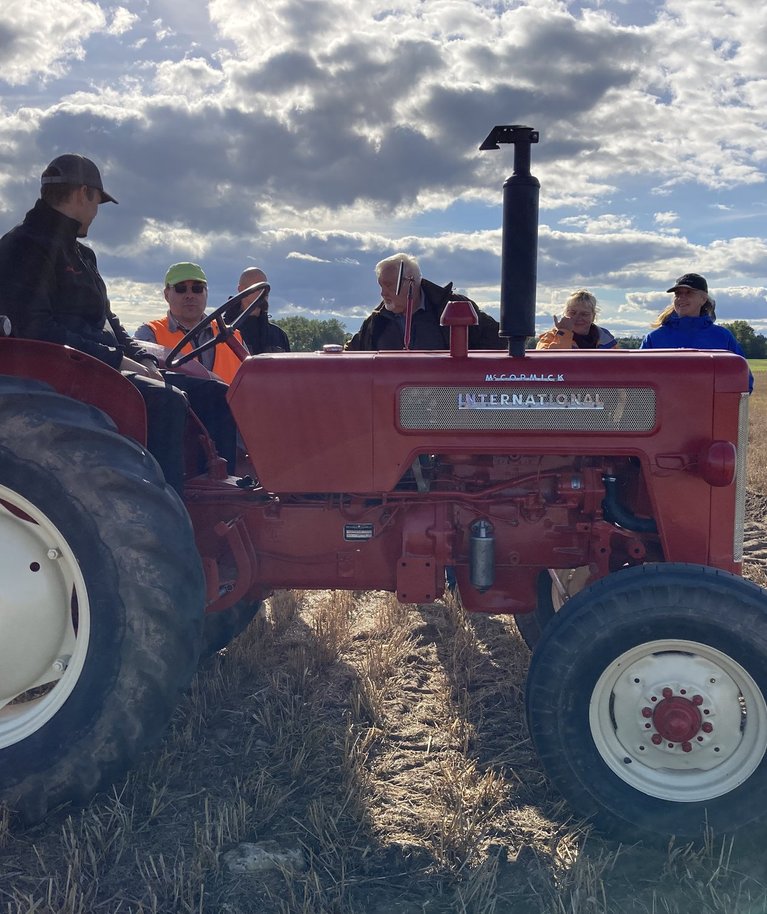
x=740 y=480
x=551 y=408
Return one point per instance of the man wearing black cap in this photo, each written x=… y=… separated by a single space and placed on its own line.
x=50 y=286
x=688 y=322
x=51 y=289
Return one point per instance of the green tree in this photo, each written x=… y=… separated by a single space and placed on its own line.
x=307 y=335
x=629 y=342
x=754 y=345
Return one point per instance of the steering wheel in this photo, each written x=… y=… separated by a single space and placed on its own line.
x=225 y=331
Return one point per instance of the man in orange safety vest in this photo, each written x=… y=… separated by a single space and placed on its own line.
x=186 y=292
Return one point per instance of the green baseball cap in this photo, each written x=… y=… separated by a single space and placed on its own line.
x=178 y=272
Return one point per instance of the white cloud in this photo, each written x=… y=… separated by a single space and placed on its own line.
x=38 y=38
x=317 y=137
x=606 y=222
x=122 y=21
x=310 y=258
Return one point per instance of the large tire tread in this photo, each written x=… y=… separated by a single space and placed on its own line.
x=108 y=494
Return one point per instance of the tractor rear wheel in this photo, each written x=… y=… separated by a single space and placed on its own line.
x=647 y=702
x=102 y=601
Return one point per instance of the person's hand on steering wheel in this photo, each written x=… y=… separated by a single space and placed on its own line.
x=225 y=331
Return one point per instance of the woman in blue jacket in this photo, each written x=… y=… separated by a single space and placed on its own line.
x=688 y=322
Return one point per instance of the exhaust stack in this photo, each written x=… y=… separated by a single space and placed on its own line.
x=519 y=247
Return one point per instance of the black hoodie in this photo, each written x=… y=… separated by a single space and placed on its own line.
x=51 y=289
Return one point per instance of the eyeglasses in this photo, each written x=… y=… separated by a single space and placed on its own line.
x=197 y=287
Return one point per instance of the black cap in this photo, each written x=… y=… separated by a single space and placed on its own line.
x=72 y=168
x=692 y=281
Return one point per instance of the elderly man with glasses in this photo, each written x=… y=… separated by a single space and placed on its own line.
x=186 y=292
x=408 y=315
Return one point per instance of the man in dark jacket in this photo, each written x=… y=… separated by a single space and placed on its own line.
x=258 y=332
x=385 y=328
x=51 y=289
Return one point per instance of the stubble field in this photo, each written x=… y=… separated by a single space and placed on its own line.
x=376 y=757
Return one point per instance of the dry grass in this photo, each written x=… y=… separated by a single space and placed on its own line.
x=383 y=746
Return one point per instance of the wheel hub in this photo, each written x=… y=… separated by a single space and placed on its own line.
x=679 y=720
x=42 y=645
x=676 y=719
x=680 y=711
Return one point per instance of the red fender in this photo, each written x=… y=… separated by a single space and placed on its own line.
x=80 y=376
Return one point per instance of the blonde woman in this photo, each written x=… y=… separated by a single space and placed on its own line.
x=689 y=321
x=576 y=328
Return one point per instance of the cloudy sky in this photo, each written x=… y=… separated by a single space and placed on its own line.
x=314 y=137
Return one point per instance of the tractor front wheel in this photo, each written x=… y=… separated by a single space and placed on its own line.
x=647 y=702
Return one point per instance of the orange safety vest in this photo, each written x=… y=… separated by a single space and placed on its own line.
x=225 y=362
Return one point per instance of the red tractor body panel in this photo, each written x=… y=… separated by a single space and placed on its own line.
x=333 y=422
x=374 y=469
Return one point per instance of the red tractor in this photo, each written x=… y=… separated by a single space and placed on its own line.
x=608 y=485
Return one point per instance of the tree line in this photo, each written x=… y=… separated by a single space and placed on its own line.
x=307 y=335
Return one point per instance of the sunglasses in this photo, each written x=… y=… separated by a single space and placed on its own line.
x=197 y=287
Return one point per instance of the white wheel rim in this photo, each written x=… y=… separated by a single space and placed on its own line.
x=679 y=720
x=42 y=645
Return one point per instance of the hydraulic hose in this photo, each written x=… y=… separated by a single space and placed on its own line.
x=615 y=513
